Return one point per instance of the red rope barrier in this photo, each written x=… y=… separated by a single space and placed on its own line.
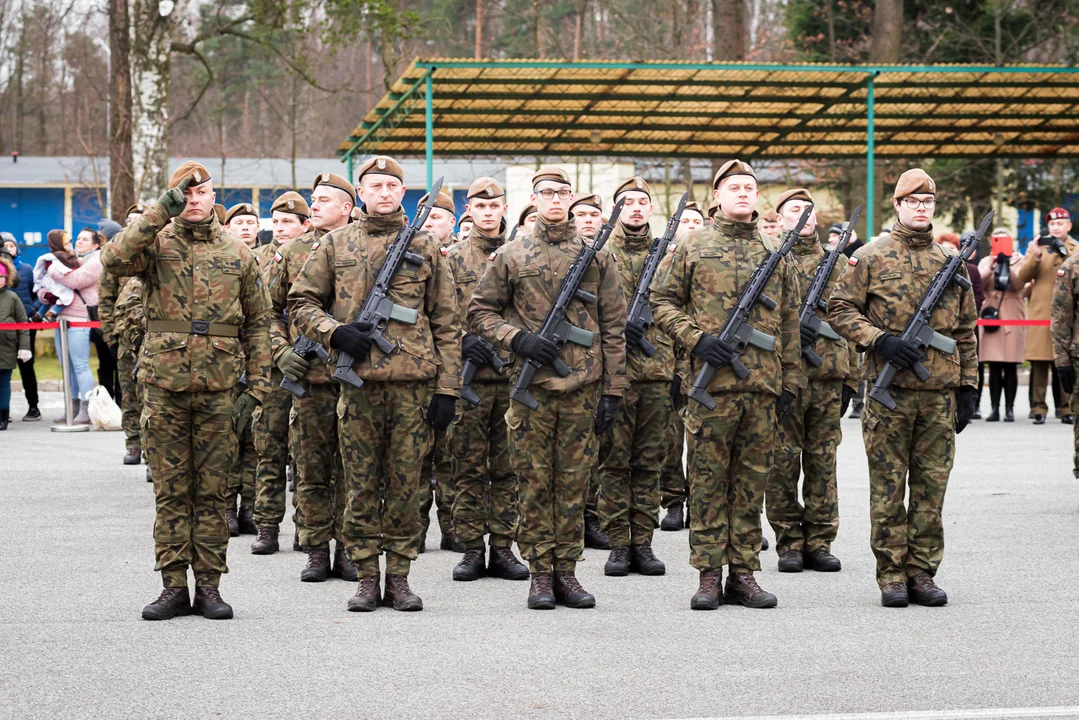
x=49 y=325
x=1011 y=323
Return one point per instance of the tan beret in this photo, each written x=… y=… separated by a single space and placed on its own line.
x=335 y=181
x=554 y=174
x=355 y=215
x=381 y=165
x=136 y=209
x=914 y=181
x=443 y=201
x=466 y=218
x=633 y=184
x=732 y=167
x=291 y=202
x=190 y=169
x=712 y=208
x=695 y=207
x=794 y=194
x=240 y=209
x=592 y=200
x=219 y=211
x=529 y=210
x=768 y=216
x=485 y=187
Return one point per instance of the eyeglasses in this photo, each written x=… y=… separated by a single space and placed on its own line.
x=563 y=194
x=914 y=203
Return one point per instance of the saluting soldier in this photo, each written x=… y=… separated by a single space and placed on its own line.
x=207 y=322
x=484 y=481
x=554 y=446
x=386 y=425
x=809 y=435
x=913 y=445
x=291 y=218
x=732 y=445
x=320 y=491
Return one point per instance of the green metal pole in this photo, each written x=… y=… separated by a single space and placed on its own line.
x=349 y=160
x=430 y=126
x=870 y=174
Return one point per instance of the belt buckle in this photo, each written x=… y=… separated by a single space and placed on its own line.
x=200 y=327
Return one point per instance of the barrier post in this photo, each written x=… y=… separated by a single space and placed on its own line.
x=64 y=356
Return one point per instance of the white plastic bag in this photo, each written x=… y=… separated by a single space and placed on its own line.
x=104 y=413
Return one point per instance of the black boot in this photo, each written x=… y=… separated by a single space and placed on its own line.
x=568 y=591
x=318 y=565
x=764 y=543
x=791 y=562
x=266 y=542
x=343 y=567
x=617 y=564
x=246 y=520
x=894 y=595
x=644 y=562
x=32 y=415
x=5 y=418
x=173 y=601
x=994 y=416
x=133 y=456
x=923 y=591
x=594 y=537
x=1009 y=415
x=449 y=542
x=230 y=520
x=540 y=594
x=209 y=604
x=823 y=561
x=674 y=519
x=504 y=564
x=471 y=566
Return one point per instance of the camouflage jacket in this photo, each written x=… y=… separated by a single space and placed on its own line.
x=468 y=260
x=108 y=289
x=698 y=285
x=130 y=320
x=631 y=252
x=836 y=355
x=1063 y=325
x=196 y=272
x=337 y=277
x=264 y=254
x=881 y=289
x=519 y=287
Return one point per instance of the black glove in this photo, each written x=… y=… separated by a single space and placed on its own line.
x=441 y=411
x=353 y=339
x=606 y=413
x=534 y=347
x=677 y=398
x=138 y=344
x=713 y=351
x=808 y=336
x=848 y=395
x=1066 y=375
x=966 y=400
x=634 y=334
x=894 y=350
x=475 y=349
x=784 y=403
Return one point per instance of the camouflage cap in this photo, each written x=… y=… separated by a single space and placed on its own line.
x=732 y=167
x=914 y=181
x=219 y=211
x=485 y=187
x=554 y=174
x=197 y=172
x=239 y=209
x=136 y=209
x=443 y=201
x=335 y=181
x=529 y=210
x=592 y=200
x=637 y=184
x=381 y=165
x=291 y=202
x=794 y=194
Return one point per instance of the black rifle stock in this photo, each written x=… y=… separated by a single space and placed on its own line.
x=918 y=331
x=737 y=332
x=555 y=327
x=377 y=309
x=306 y=349
x=814 y=299
x=639 y=312
x=468 y=374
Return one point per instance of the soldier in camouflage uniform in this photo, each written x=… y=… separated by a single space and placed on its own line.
x=385 y=425
x=555 y=446
x=526 y=221
x=732 y=445
x=810 y=434
x=483 y=477
x=109 y=289
x=207 y=322
x=291 y=219
x=632 y=454
x=914 y=444
x=313 y=425
x=129 y=328
x=1065 y=332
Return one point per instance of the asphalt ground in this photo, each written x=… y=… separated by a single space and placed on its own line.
x=76 y=559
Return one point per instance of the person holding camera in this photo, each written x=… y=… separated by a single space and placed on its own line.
x=1044 y=257
x=1001 y=347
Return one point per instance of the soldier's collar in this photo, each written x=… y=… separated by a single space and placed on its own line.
x=383 y=224
x=633 y=240
x=201 y=231
x=554 y=233
x=734 y=228
x=484 y=242
x=808 y=245
x=912 y=238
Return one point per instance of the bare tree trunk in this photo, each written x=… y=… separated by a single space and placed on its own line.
x=20 y=95
x=150 y=75
x=578 y=27
x=602 y=29
x=729 y=18
x=887 y=31
x=541 y=31
x=830 y=20
x=479 y=29
x=121 y=177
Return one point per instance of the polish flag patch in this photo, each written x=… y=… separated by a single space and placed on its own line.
x=853 y=261
x=315 y=246
x=277 y=257
x=1061 y=273
x=491 y=256
x=443 y=250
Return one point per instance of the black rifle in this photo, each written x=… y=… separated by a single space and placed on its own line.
x=377 y=309
x=468 y=373
x=513 y=234
x=555 y=327
x=306 y=349
x=639 y=312
x=918 y=331
x=737 y=332
x=814 y=299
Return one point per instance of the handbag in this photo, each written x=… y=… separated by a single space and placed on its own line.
x=91 y=310
x=990 y=313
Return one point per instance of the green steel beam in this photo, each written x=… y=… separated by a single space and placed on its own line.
x=429 y=129
x=870 y=159
x=374 y=128
x=755 y=67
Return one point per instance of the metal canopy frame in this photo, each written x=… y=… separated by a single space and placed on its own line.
x=751 y=111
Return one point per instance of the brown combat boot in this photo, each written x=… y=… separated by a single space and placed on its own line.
x=209 y=604
x=924 y=591
x=230 y=520
x=617 y=564
x=400 y=595
x=742 y=589
x=471 y=566
x=540 y=594
x=568 y=591
x=266 y=543
x=707 y=596
x=318 y=565
x=367 y=595
x=644 y=562
x=171 y=602
x=504 y=564
x=894 y=595
x=594 y=537
x=343 y=567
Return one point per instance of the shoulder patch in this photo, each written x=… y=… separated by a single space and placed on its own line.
x=278 y=257
x=1061 y=272
x=443 y=250
x=257 y=261
x=492 y=256
x=853 y=261
x=315 y=246
x=671 y=246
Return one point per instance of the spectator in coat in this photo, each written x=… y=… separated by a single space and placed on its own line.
x=83 y=281
x=24 y=289
x=1003 y=348
x=14 y=344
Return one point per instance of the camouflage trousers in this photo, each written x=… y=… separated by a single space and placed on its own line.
x=553 y=450
x=631 y=459
x=320 y=487
x=731 y=451
x=245 y=463
x=190 y=445
x=483 y=475
x=673 y=488
x=913 y=445
x=130 y=405
x=809 y=436
x=272 y=443
x=438 y=488
x=384 y=438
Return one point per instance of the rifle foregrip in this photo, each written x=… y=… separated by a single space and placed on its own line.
x=920 y=371
x=293 y=387
x=561 y=368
